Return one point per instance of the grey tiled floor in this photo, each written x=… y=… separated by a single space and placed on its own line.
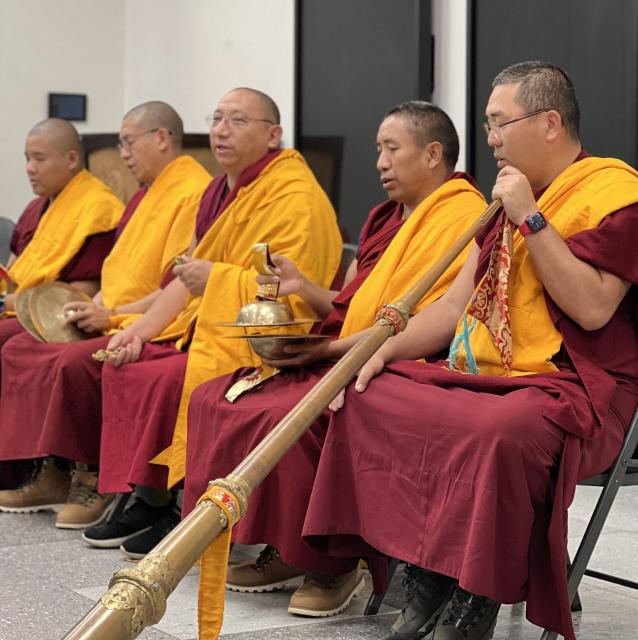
x=49 y=578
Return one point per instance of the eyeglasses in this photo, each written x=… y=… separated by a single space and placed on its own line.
x=235 y=122
x=497 y=129
x=128 y=142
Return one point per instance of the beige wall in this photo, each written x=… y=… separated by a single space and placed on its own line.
x=123 y=52
x=61 y=46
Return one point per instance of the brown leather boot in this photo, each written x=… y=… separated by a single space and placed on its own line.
x=46 y=490
x=267 y=573
x=85 y=507
x=323 y=596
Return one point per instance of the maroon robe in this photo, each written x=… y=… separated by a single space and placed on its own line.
x=85 y=265
x=140 y=400
x=34 y=414
x=470 y=476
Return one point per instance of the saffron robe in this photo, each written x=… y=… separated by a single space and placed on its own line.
x=286 y=207
x=85 y=207
x=39 y=380
x=222 y=434
x=140 y=400
x=86 y=264
x=260 y=209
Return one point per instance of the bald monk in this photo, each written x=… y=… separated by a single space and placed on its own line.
x=64 y=234
x=466 y=469
x=429 y=207
x=48 y=389
x=266 y=193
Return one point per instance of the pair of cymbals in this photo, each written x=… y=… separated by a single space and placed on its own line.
x=40 y=310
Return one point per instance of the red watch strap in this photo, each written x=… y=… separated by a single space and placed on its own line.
x=524 y=228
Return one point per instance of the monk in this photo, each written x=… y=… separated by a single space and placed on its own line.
x=266 y=193
x=64 y=233
x=429 y=208
x=466 y=469
x=48 y=390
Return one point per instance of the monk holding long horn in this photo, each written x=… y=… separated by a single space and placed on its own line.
x=429 y=208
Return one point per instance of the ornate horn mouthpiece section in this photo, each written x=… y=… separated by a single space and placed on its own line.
x=264 y=265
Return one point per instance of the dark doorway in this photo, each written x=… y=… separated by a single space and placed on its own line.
x=356 y=60
x=595 y=42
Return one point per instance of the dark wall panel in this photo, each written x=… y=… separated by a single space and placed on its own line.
x=595 y=41
x=356 y=60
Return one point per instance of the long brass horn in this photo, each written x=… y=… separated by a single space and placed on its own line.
x=136 y=597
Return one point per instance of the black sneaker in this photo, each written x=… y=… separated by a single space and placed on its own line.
x=139 y=545
x=137 y=518
x=426 y=594
x=467 y=617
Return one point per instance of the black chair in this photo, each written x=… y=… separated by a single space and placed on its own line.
x=623 y=473
x=6 y=233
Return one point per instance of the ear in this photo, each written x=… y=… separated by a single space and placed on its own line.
x=554 y=125
x=433 y=154
x=164 y=139
x=73 y=160
x=274 y=138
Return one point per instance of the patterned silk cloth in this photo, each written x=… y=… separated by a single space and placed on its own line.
x=490 y=301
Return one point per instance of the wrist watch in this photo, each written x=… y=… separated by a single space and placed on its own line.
x=533 y=224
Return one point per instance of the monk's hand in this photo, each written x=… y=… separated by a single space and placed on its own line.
x=124 y=347
x=88 y=316
x=371 y=369
x=513 y=188
x=193 y=273
x=286 y=274
x=10 y=302
x=303 y=353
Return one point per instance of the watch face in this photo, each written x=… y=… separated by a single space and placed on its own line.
x=536 y=222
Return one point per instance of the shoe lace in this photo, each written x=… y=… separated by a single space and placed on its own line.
x=266 y=556
x=466 y=609
x=80 y=493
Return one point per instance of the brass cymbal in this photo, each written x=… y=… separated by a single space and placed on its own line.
x=46 y=305
x=23 y=314
x=286 y=323
x=271 y=345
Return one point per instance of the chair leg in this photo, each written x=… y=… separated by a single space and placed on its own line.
x=597 y=521
x=603 y=506
x=376 y=599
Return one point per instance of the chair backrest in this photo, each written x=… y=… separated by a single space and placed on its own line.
x=6 y=232
x=103 y=160
x=628 y=458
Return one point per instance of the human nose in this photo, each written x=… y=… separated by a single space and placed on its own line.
x=383 y=162
x=30 y=166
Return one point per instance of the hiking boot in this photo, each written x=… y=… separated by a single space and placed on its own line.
x=137 y=518
x=84 y=507
x=47 y=489
x=426 y=594
x=267 y=573
x=323 y=596
x=467 y=617
x=138 y=545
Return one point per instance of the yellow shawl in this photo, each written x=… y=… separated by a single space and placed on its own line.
x=578 y=199
x=433 y=226
x=84 y=207
x=160 y=229
x=284 y=206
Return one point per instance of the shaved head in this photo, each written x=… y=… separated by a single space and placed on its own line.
x=159 y=115
x=61 y=135
x=53 y=151
x=269 y=106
